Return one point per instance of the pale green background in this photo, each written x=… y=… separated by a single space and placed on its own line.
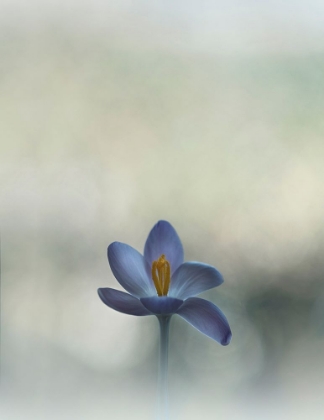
x=117 y=114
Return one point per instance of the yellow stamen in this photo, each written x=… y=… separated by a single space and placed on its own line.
x=161 y=275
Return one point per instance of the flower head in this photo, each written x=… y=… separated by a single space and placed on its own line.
x=161 y=283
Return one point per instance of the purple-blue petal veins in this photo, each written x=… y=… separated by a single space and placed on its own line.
x=192 y=278
x=160 y=283
x=129 y=268
x=207 y=318
x=163 y=239
x=122 y=302
x=161 y=305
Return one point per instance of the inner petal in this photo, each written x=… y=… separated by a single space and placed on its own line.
x=161 y=305
x=163 y=239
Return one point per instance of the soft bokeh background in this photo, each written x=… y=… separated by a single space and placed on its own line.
x=116 y=114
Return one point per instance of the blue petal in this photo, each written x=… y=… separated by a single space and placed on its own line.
x=163 y=239
x=207 y=318
x=122 y=302
x=129 y=268
x=162 y=305
x=192 y=278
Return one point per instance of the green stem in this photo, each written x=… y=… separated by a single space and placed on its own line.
x=163 y=367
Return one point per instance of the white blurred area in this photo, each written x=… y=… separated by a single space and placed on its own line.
x=226 y=27
x=115 y=115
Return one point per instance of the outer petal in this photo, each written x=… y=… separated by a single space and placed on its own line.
x=163 y=239
x=129 y=268
x=207 y=318
x=122 y=302
x=192 y=278
x=162 y=305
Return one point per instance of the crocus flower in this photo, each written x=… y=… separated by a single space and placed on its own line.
x=160 y=283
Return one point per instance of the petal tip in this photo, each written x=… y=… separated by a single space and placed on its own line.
x=101 y=295
x=162 y=222
x=220 y=279
x=227 y=339
x=109 y=249
x=102 y=292
x=111 y=246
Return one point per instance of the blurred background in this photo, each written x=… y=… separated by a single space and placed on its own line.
x=208 y=114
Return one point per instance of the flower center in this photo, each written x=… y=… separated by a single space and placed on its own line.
x=161 y=275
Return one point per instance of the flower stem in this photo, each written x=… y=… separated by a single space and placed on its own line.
x=163 y=368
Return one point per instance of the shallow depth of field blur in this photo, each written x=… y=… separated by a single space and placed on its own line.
x=117 y=114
